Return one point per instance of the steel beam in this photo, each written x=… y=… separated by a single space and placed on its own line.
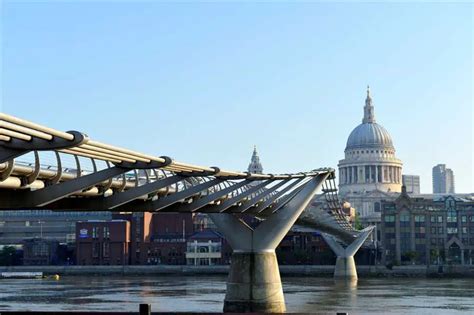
x=49 y=194
x=270 y=200
x=16 y=147
x=254 y=200
x=225 y=205
x=195 y=205
x=169 y=200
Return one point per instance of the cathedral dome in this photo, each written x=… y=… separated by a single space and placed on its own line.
x=369 y=134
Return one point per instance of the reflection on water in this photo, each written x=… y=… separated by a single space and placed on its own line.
x=206 y=294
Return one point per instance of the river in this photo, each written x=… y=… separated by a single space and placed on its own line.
x=206 y=294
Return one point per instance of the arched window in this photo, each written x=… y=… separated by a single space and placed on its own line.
x=377 y=207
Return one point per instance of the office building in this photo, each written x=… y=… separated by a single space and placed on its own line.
x=412 y=184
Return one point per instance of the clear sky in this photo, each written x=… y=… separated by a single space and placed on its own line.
x=204 y=82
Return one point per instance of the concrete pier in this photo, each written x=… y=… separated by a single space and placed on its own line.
x=345 y=265
x=345 y=268
x=254 y=283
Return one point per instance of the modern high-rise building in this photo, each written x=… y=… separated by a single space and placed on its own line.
x=443 y=180
x=412 y=184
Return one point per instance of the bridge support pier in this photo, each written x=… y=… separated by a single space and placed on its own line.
x=345 y=264
x=254 y=283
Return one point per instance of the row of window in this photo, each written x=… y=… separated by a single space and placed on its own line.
x=441 y=241
x=96 y=250
x=450 y=218
x=106 y=232
x=405 y=231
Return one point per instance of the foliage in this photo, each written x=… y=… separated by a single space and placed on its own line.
x=8 y=256
x=411 y=256
x=357 y=223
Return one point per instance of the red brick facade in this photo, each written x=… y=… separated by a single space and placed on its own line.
x=103 y=242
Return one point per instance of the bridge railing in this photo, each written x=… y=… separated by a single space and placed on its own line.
x=101 y=176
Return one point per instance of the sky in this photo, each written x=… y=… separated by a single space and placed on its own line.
x=205 y=82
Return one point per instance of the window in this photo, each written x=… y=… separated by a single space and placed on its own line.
x=95 y=232
x=464 y=219
x=95 y=250
x=433 y=219
x=420 y=229
x=433 y=241
x=452 y=230
x=440 y=230
x=377 y=205
x=106 y=249
x=440 y=219
x=464 y=230
x=404 y=218
x=27 y=223
x=471 y=218
x=452 y=216
x=106 y=232
x=389 y=218
x=433 y=230
x=419 y=218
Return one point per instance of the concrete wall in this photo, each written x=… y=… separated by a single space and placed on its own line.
x=300 y=270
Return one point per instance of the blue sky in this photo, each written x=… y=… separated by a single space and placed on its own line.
x=204 y=82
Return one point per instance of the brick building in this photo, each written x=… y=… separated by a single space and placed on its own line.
x=103 y=242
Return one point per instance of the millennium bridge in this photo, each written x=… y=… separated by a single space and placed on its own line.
x=122 y=180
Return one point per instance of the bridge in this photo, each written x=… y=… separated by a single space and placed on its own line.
x=110 y=178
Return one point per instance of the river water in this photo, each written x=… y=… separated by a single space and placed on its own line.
x=206 y=294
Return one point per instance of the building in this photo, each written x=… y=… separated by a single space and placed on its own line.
x=169 y=233
x=207 y=248
x=370 y=172
x=255 y=166
x=443 y=180
x=39 y=251
x=435 y=230
x=305 y=248
x=19 y=225
x=102 y=242
x=412 y=184
x=370 y=162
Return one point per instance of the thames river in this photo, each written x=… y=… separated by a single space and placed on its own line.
x=206 y=294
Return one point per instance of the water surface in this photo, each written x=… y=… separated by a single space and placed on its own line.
x=206 y=294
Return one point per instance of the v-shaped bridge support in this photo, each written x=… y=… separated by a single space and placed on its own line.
x=254 y=283
x=345 y=264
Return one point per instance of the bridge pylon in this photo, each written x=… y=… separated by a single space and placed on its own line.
x=254 y=283
x=345 y=264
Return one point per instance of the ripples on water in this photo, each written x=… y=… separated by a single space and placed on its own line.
x=206 y=294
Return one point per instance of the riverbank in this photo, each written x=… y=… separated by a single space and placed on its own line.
x=285 y=270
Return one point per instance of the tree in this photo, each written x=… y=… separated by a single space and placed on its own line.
x=8 y=256
x=357 y=224
x=411 y=256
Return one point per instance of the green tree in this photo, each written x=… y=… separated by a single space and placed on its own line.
x=357 y=224
x=412 y=256
x=8 y=256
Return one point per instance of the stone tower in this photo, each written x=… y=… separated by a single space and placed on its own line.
x=255 y=166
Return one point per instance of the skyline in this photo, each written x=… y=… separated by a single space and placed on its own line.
x=292 y=73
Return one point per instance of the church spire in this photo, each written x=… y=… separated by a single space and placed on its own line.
x=369 y=116
x=255 y=166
